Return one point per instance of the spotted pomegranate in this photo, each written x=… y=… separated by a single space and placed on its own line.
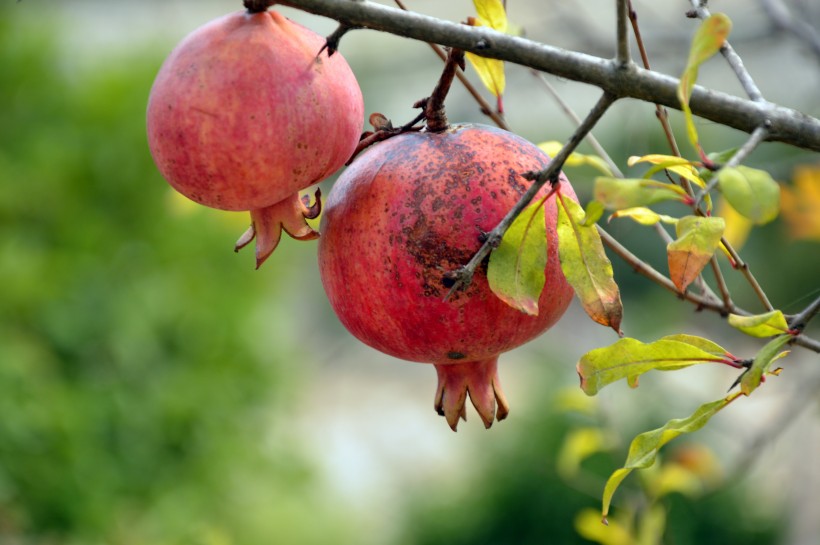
x=407 y=211
x=245 y=112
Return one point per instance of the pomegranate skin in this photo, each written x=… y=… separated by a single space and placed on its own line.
x=409 y=210
x=244 y=112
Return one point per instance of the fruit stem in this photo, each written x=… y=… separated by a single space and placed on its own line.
x=257 y=6
x=434 y=108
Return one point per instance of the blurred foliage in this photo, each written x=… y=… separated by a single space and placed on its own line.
x=545 y=487
x=135 y=391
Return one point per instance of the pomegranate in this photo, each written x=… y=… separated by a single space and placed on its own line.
x=407 y=211
x=245 y=112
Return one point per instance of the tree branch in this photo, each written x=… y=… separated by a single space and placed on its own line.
x=787 y=125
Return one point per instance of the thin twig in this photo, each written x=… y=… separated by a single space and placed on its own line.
x=570 y=113
x=486 y=109
x=707 y=303
x=463 y=276
x=780 y=16
x=660 y=111
x=722 y=287
x=756 y=138
x=743 y=267
x=622 y=55
x=800 y=321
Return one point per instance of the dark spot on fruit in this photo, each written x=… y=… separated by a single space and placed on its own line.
x=456 y=355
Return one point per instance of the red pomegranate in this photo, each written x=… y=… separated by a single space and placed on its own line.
x=406 y=212
x=245 y=112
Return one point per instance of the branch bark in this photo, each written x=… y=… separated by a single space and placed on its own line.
x=623 y=81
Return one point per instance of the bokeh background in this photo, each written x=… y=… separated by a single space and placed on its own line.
x=156 y=389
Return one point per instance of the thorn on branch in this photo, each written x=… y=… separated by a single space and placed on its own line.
x=332 y=41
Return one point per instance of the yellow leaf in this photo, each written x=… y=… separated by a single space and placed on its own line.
x=491 y=13
x=575 y=159
x=588 y=525
x=800 y=203
x=490 y=71
x=737 y=226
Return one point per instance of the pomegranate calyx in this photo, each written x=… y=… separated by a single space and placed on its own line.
x=288 y=215
x=476 y=379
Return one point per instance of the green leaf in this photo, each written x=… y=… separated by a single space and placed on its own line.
x=630 y=358
x=586 y=266
x=644 y=448
x=619 y=193
x=708 y=40
x=699 y=342
x=752 y=378
x=516 y=268
x=752 y=192
x=593 y=212
x=643 y=215
x=761 y=325
x=575 y=159
x=698 y=238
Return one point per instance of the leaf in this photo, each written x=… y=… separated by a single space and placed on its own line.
x=586 y=266
x=619 y=193
x=761 y=325
x=699 y=342
x=629 y=358
x=750 y=191
x=491 y=71
x=698 y=238
x=588 y=525
x=658 y=159
x=677 y=165
x=491 y=13
x=643 y=215
x=516 y=268
x=738 y=227
x=708 y=40
x=593 y=212
x=801 y=203
x=644 y=448
x=752 y=378
x=575 y=159
x=578 y=445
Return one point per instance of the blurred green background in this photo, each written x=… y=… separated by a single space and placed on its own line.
x=155 y=389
